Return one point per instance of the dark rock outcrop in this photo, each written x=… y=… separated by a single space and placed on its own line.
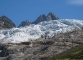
x=24 y=23
x=50 y=16
x=6 y=23
x=40 y=19
x=43 y=17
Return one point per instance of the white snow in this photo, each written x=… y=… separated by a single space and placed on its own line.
x=32 y=32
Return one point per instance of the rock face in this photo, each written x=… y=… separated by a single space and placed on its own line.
x=43 y=17
x=24 y=23
x=50 y=16
x=40 y=19
x=6 y=23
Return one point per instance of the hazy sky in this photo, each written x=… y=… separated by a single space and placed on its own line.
x=20 y=10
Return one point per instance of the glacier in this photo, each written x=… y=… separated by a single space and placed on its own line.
x=33 y=32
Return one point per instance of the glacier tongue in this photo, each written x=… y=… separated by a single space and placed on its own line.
x=32 y=32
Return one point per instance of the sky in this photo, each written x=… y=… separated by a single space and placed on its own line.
x=21 y=10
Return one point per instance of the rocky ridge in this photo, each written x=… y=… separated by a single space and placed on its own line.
x=43 y=17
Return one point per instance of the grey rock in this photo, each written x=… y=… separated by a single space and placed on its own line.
x=43 y=17
x=40 y=19
x=50 y=16
x=6 y=23
x=24 y=23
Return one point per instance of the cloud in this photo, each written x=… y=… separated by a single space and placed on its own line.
x=75 y=2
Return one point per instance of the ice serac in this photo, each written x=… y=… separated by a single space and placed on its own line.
x=6 y=23
x=45 y=28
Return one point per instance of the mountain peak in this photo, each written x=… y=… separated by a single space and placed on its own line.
x=43 y=17
x=50 y=13
x=52 y=16
x=3 y=16
x=6 y=23
x=24 y=23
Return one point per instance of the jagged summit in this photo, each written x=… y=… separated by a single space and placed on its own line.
x=24 y=23
x=43 y=17
x=6 y=23
x=52 y=16
x=40 y=19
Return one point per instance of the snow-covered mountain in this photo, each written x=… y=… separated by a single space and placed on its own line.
x=45 y=28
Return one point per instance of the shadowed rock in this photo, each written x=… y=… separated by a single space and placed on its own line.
x=6 y=23
x=24 y=23
x=43 y=17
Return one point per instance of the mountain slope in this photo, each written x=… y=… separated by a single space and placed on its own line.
x=46 y=29
x=6 y=23
x=42 y=49
x=73 y=53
